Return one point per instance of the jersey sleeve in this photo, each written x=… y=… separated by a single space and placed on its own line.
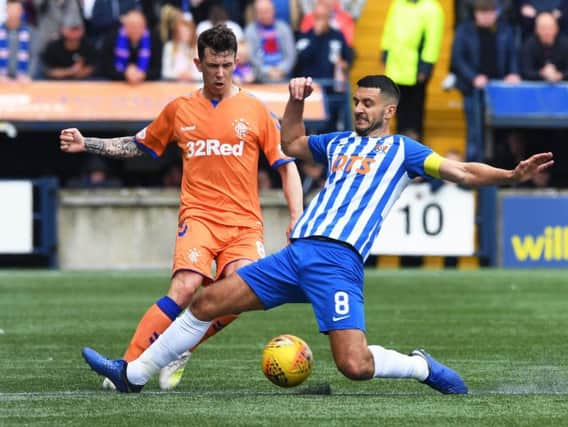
x=421 y=160
x=155 y=137
x=318 y=145
x=270 y=139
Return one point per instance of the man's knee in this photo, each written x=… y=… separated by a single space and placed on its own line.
x=183 y=287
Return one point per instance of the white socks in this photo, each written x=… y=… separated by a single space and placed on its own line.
x=185 y=332
x=391 y=364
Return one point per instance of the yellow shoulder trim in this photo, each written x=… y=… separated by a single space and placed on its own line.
x=432 y=165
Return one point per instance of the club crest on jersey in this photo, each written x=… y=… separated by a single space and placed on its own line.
x=382 y=148
x=241 y=128
x=193 y=255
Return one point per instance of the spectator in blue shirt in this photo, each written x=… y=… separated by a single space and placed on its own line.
x=17 y=60
x=102 y=16
x=271 y=43
x=132 y=53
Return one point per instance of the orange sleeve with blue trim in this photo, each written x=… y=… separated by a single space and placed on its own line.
x=270 y=138
x=155 y=137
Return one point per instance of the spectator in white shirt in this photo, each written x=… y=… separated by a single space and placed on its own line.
x=177 y=58
x=218 y=15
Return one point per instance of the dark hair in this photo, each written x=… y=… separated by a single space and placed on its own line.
x=484 y=5
x=218 y=38
x=384 y=83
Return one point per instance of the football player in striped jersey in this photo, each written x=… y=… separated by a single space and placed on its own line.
x=368 y=169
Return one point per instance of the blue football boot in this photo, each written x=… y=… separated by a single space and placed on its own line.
x=114 y=370
x=440 y=377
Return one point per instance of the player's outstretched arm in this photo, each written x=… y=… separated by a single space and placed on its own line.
x=293 y=133
x=72 y=141
x=473 y=174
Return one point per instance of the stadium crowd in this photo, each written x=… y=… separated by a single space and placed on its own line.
x=512 y=41
x=140 y=40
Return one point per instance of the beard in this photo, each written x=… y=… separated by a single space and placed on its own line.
x=365 y=131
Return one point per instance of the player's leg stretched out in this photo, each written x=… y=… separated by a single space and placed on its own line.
x=161 y=315
x=188 y=277
x=172 y=373
x=266 y=284
x=185 y=332
x=237 y=250
x=154 y=322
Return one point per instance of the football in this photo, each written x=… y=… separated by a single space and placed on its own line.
x=287 y=360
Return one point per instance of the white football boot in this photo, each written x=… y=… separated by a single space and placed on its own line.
x=170 y=376
x=108 y=385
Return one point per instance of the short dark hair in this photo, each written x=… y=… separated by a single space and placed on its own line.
x=218 y=38
x=484 y=5
x=382 y=82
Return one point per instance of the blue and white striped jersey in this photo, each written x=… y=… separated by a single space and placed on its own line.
x=365 y=177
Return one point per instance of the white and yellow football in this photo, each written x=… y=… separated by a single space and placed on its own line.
x=287 y=360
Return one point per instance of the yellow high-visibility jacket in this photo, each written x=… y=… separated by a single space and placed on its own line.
x=412 y=39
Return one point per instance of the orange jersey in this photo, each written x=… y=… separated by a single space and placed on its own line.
x=220 y=148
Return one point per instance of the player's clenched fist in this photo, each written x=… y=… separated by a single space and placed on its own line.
x=71 y=141
x=300 y=88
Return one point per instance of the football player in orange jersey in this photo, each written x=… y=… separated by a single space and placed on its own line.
x=220 y=130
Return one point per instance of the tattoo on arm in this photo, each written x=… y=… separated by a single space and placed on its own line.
x=122 y=147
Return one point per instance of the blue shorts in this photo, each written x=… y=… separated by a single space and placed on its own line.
x=326 y=274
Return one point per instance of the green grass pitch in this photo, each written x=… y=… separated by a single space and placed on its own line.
x=504 y=331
